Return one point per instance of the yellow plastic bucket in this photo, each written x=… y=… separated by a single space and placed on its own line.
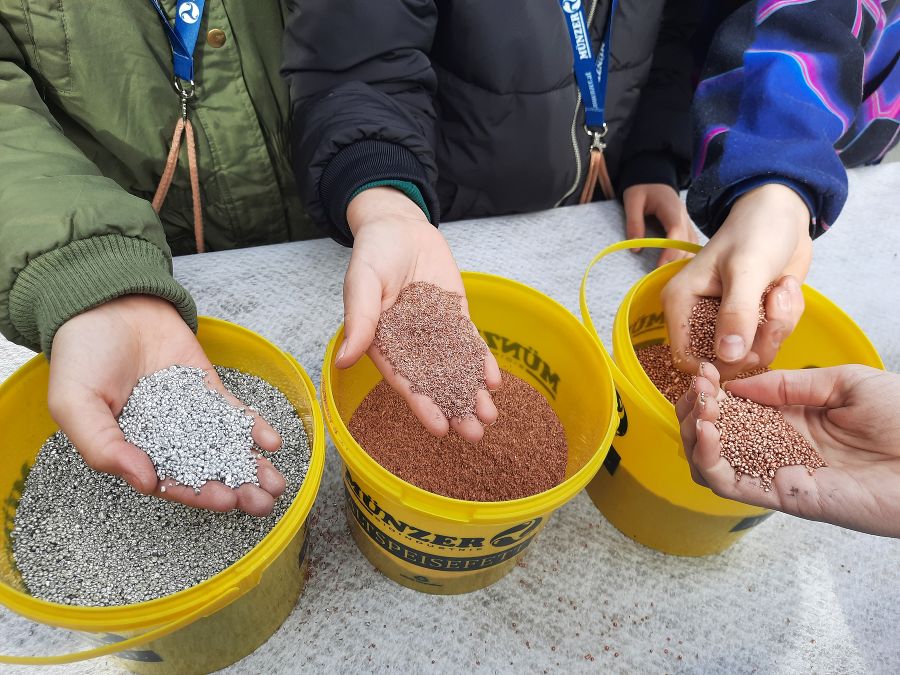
x=440 y=545
x=208 y=626
x=645 y=488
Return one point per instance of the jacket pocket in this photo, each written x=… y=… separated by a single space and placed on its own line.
x=47 y=28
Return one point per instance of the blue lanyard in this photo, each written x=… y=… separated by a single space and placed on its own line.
x=183 y=37
x=591 y=75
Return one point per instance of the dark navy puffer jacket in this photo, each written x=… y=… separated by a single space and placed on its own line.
x=474 y=102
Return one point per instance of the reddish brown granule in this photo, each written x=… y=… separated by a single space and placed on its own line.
x=657 y=363
x=757 y=440
x=671 y=382
x=523 y=453
x=702 y=324
x=428 y=340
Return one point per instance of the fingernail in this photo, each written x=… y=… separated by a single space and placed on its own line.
x=777 y=338
x=341 y=351
x=702 y=364
x=699 y=426
x=783 y=300
x=731 y=348
x=703 y=399
x=691 y=397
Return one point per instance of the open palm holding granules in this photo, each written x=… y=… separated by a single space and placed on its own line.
x=757 y=440
x=428 y=340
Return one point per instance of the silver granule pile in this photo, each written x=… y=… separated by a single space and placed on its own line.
x=191 y=433
x=86 y=538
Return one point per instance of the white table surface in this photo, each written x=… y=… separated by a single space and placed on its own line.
x=791 y=596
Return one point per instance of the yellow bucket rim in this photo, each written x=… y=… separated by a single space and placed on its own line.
x=229 y=584
x=459 y=510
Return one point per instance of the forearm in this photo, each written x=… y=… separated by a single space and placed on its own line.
x=781 y=87
x=69 y=237
x=362 y=108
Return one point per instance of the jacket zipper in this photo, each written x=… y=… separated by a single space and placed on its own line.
x=578 y=165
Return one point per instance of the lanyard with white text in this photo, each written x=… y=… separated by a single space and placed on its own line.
x=183 y=40
x=591 y=75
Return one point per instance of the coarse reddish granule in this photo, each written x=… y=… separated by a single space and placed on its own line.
x=429 y=341
x=702 y=324
x=523 y=453
x=757 y=440
x=656 y=361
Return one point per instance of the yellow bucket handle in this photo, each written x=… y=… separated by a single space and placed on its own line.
x=622 y=381
x=204 y=610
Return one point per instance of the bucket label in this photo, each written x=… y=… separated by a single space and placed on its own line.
x=529 y=356
x=622 y=429
x=376 y=522
x=647 y=323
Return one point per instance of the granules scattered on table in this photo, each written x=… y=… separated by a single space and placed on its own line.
x=191 y=433
x=523 y=453
x=702 y=324
x=429 y=341
x=85 y=538
x=757 y=440
x=656 y=360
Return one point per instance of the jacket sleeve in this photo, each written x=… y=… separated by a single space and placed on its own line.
x=70 y=239
x=782 y=83
x=362 y=89
x=658 y=148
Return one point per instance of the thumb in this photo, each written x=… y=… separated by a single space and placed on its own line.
x=89 y=423
x=635 y=225
x=362 y=307
x=816 y=387
x=738 y=313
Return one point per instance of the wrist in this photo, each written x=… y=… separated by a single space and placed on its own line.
x=781 y=202
x=379 y=203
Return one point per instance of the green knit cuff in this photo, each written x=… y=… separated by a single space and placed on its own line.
x=70 y=280
x=411 y=190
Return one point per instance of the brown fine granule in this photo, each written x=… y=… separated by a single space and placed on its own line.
x=523 y=453
x=757 y=440
x=656 y=361
x=702 y=324
x=427 y=339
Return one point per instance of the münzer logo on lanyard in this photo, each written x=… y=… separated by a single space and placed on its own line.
x=183 y=40
x=591 y=76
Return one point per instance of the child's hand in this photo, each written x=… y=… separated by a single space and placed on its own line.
x=765 y=239
x=97 y=359
x=394 y=245
x=849 y=413
x=661 y=201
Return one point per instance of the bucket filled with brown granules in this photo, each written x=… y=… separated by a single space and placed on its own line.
x=168 y=588
x=645 y=488
x=443 y=516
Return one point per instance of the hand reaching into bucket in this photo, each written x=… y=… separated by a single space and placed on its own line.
x=394 y=246
x=98 y=357
x=661 y=201
x=765 y=239
x=849 y=413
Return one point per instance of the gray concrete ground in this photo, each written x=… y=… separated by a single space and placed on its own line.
x=791 y=597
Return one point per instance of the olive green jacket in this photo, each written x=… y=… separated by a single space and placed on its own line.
x=87 y=112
